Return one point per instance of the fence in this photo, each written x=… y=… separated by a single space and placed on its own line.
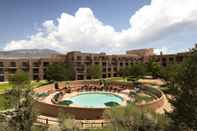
x=82 y=124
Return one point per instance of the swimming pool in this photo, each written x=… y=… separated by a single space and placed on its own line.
x=95 y=99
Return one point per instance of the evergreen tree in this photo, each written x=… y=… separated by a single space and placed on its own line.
x=184 y=115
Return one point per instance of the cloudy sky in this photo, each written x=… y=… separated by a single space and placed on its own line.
x=111 y=26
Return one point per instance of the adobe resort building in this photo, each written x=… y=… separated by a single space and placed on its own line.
x=111 y=64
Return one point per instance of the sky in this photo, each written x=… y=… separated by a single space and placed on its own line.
x=111 y=26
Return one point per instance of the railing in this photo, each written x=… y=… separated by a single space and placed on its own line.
x=92 y=124
x=82 y=124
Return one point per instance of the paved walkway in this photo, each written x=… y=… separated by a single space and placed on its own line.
x=166 y=107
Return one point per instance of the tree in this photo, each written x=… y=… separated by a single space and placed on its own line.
x=124 y=72
x=24 y=115
x=184 y=115
x=137 y=70
x=132 y=118
x=54 y=128
x=153 y=68
x=170 y=72
x=20 y=82
x=67 y=122
x=59 y=72
x=94 y=71
x=133 y=72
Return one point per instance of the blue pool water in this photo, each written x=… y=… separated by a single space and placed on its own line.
x=95 y=99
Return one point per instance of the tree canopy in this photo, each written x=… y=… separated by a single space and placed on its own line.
x=153 y=68
x=24 y=115
x=184 y=115
x=133 y=118
x=59 y=72
x=94 y=71
x=133 y=71
x=170 y=73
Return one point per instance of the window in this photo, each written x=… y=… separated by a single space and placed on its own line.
x=78 y=57
x=12 y=71
x=25 y=64
x=104 y=64
x=109 y=75
x=12 y=64
x=45 y=64
x=104 y=69
x=35 y=64
x=104 y=75
x=179 y=59
x=35 y=77
x=96 y=63
x=35 y=70
x=1 y=78
x=1 y=71
x=1 y=64
x=115 y=75
x=80 y=77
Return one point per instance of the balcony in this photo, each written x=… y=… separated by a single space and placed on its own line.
x=1 y=65
x=35 y=71
x=104 y=64
x=45 y=64
x=12 y=71
x=80 y=70
x=12 y=65
x=1 y=72
x=36 y=65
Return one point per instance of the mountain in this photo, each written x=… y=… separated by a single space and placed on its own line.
x=26 y=53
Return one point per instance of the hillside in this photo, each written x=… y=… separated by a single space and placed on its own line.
x=24 y=53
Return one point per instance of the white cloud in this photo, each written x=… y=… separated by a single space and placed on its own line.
x=159 y=50
x=162 y=21
x=49 y=26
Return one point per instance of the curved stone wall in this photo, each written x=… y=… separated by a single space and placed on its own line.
x=79 y=113
x=53 y=110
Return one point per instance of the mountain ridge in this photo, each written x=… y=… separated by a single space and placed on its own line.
x=27 y=53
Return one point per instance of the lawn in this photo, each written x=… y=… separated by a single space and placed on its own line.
x=34 y=84
x=4 y=101
x=4 y=86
